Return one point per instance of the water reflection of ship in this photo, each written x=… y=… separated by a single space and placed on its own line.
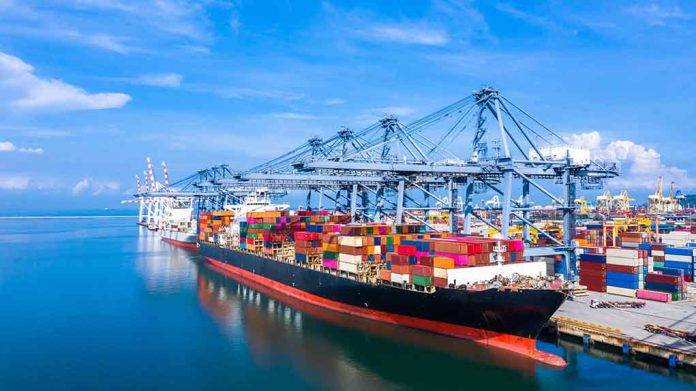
x=359 y=353
x=165 y=269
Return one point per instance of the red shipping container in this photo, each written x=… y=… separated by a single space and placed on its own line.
x=401 y=269
x=593 y=273
x=397 y=259
x=440 y=282
x=302 y=235
x=593 y=280
x=406 y=250
x=385 y=275
x=593 y=266
x=622 y=269
x=426 y=260
x=663 y=278
x=420 y=270
x=596 y=288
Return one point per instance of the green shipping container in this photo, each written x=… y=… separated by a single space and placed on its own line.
x=330 y=255
x=422 y=281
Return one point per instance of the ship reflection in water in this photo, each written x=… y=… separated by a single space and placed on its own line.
x=165 y=268
x=331 y=349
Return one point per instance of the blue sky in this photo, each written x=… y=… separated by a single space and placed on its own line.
x=89 y=88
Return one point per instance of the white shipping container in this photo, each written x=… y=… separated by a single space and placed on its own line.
x=657 y=253
x=624 y=261
x=679 y=258
x=377 y=250
x=621 y=291
x=622 y=253
x=351 y=241
x=347 y=258
x=348 y=267
x=439 y=272
x=399 y=278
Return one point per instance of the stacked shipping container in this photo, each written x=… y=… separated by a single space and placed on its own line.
x=211 y=223
x=626 y=269
x=593 y=271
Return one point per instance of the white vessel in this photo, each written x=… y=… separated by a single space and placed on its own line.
x=178 y=226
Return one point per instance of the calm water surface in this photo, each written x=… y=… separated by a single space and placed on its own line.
x=103 y=304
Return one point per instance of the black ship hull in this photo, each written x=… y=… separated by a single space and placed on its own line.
x=509 y=319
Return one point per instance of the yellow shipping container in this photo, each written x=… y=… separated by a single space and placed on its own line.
x=443 y=262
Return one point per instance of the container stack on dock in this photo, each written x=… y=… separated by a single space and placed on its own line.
x=626 y=269
x=590 y=235
x=632 y=239
x=681 y=258
x=663 y=285
x=593 y=271
x=656 y=253
x=678 y=238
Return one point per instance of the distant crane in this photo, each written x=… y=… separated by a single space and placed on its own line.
x=658 y=203
x=622 y=202
x=582 y=205
x=493 y=203
x=605 y=202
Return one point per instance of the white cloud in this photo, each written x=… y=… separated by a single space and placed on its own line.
x=532 y=19
x=95 y=187
x=14 y=182
x=334 y=101
x=406 y=33
x=659 y=15
x=232 y=92
x=159 y=79
x=33 y=151
x=294 y=116
x=21 y=88
x=8 y=146
x=640 y=165
x=199 y=49
x=81 y=186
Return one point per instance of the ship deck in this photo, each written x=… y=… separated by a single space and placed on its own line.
x=624 y=328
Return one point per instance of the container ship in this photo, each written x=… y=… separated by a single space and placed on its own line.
x=178 y=227
x=460 y=286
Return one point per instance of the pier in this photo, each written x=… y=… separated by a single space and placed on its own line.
x=624 y=328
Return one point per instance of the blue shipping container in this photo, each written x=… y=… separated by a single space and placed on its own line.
x=598 y=258
x=622 y=276
x=669 y=271
x=679 y=251
x=622 y=284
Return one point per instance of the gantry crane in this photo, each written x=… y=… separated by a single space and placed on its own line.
x=658 y=203
x=582 y=205
x=396 y=171
x=622 y=202
x=605 y=202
